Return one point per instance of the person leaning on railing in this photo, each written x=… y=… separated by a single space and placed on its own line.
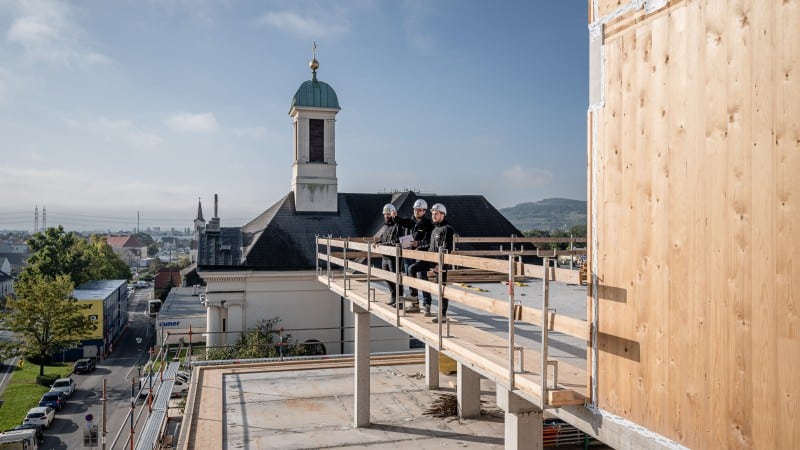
x=441 y=239
x=421 y=228
x=390 y=235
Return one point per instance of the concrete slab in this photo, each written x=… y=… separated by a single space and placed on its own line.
x=314 y=409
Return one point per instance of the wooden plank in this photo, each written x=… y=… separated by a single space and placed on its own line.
x=657 y=276
x=780 y=230
x=518 y=240
x=541 y=253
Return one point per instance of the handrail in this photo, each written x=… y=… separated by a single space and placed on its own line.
x=558 y=323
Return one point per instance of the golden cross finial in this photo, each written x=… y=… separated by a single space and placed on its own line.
x=314 y=50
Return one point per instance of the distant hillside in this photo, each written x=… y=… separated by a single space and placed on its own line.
x=549 y=214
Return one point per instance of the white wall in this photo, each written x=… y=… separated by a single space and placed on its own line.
x=307 y=309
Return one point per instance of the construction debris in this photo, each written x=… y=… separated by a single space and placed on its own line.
x=446 y=405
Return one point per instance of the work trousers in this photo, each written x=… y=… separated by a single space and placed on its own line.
x=389 y=265
x=419 y=270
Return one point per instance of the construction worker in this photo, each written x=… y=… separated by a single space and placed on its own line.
x=390 y=235
x=421 y=228
x=441 y=239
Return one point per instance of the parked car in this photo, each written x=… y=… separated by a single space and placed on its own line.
x=53 y=399
x=179 y=387
x=65 y=385
x=84 y=365
x=41 y=415
x=29 y=426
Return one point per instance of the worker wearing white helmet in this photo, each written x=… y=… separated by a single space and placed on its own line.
x=390 y=235
x=441 y=239
x=421 y=228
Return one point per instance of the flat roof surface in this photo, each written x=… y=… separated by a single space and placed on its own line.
x=182 y=301
x=97 y=289
x=314 y=409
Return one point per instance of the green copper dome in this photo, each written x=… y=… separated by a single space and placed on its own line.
x=316 y=94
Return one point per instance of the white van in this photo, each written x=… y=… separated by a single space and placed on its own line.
x=18 y=440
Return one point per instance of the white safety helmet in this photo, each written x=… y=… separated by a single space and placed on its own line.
x=420 y=204
x=389 y=208
x=439 y=207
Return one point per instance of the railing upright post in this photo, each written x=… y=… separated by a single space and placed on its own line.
x=398 y=302
x=571 y=249
x=344 y=266
x=316 y=252
x=329 y=261
x=441 y=295
x=511 y=321
x=545 y=317
x=369 y=273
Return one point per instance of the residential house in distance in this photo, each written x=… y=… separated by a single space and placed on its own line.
x=166 y=278
x=6 y=280
x=267 y=268
x=129 y=248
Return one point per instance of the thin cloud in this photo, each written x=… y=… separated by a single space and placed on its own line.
x=192 y=123
x=417 y=34
x=526 y=177
x=46 y=30
x=250 y=132
x=304 y=25
x=118 y=130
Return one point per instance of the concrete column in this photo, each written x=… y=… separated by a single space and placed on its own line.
x=361 y=390
x=469 y=392
x=431 y=367
x=212 y=325
x=523 y=421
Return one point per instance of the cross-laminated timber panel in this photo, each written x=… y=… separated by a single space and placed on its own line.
x=694 y=153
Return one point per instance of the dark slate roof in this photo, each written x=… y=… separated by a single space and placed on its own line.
x=281 y=238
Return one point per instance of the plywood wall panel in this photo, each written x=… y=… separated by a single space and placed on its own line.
x=697 y=170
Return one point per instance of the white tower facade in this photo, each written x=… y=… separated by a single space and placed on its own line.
x=313 y=113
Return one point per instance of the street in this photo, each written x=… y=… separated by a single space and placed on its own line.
x=66 y=431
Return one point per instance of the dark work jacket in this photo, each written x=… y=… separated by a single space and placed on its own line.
x=391 y=232
x=442 y=238
x=420 y=230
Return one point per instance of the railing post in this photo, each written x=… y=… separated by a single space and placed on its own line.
x=398 y=302
x=344 y=266
x=441 y=295
x=511 y=318
x=369 y=273
x=571 y=249
x=545 y=316
x=316 y=252
x=329 y=261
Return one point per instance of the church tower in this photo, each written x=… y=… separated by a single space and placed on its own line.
x=313 y=113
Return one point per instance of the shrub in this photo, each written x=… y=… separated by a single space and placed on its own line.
x=47 y=380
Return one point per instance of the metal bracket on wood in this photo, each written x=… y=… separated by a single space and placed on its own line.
x=554 y=363
x=521 y=358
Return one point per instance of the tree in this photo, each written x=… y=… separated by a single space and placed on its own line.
x=56 y=252
x=45 y=317
x=104 y=264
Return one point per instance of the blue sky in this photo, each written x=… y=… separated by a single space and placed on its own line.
x=112 y=107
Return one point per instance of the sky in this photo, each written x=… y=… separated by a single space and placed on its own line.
x=111 y=109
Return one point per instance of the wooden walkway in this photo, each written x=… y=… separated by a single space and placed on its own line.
x=484 y=352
